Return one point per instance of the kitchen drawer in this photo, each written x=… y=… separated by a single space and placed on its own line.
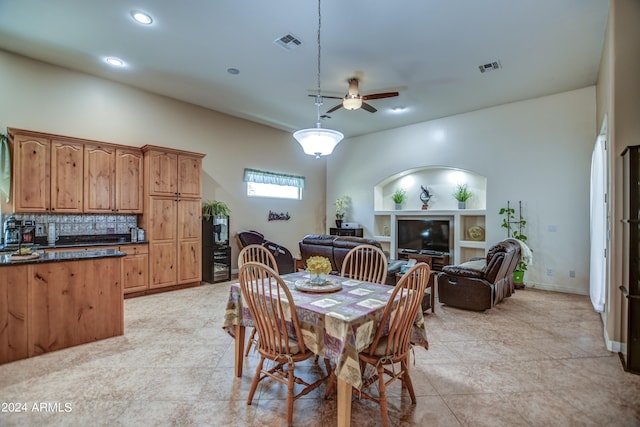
x=135 y=249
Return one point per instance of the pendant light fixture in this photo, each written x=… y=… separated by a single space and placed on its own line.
x=318 y=141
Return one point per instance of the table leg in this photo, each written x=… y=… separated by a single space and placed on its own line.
x=434 y=282
x=344 y=403
x=239 y=349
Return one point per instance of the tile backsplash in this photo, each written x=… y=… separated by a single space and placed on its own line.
x=78 y=225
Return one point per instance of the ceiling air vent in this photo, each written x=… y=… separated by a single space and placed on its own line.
x=288 y=42
x=491 y=66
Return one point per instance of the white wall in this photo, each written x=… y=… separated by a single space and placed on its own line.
x=45 y=98
x=537 y=151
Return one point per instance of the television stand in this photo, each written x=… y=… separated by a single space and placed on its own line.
x=436 y=261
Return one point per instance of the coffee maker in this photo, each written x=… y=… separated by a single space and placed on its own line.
x=17 y=232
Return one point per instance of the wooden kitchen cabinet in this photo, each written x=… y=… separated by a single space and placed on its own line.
x=113 y=179
x=172 y=215
x=129 y=181
x=99 y=177
x=31 y=173
x=135 y=268
x=67 y=160
x=161 y=169
x=48 y=174
x=13 y=314
x=189 y=240
x=61 y=174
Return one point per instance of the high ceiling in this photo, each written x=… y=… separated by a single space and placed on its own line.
x=428 y=50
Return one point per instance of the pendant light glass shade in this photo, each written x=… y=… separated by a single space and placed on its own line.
x=318 y=141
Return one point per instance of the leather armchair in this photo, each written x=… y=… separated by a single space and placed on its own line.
x=480 y=284
x=283 y=256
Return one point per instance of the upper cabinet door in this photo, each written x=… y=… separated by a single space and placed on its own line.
x=67 y=176
x=189 y=176
x=32 y=182
x=99 y=179
x=129 y=180
x=163 y=173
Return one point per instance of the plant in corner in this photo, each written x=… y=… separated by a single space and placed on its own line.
x=342 y=204
x=215 y=208
x=515 y=226
x=462 y=194
x=399 y=197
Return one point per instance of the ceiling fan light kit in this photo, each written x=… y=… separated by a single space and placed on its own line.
x=318 y=141
x=352 y=102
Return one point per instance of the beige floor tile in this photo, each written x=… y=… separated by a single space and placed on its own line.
x=537 y=359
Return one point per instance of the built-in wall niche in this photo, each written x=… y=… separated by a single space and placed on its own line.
x=467 y=225
x=441 y=181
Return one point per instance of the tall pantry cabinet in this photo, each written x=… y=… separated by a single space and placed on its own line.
x=172 y=215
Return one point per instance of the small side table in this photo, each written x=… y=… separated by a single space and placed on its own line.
x=431 y=287
x=298 y=265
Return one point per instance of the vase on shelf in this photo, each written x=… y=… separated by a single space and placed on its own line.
x=462 y=205
x=339 y=223
x=398 y=206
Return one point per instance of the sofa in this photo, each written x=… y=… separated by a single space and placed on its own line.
x=282 y=255
x=336 y=248
x=482 y=283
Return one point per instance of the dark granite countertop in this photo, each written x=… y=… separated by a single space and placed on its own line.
x=82 y=241
x=62 y=256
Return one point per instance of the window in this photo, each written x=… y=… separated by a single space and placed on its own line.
x=271 y=184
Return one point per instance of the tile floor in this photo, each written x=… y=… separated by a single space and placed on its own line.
x=538 y=359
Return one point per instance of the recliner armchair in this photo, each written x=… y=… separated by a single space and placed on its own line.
x=480 y=284
x=282 y=255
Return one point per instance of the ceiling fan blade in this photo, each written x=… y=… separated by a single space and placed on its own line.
x=380 y=95
x=334 y=108
x=327 y=96
x=368 y=107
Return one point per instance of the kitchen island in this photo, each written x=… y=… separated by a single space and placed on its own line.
x=59 y=300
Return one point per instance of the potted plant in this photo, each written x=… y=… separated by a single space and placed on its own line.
x=215 y=208
x=462 y=194
x=515 y=226
x=399 y=197
x=341 y=209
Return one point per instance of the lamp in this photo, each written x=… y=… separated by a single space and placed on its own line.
x=318 y=141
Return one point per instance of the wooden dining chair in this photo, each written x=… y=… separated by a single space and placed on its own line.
x=365 y=262
x=274 y=313
x=256 y=253
x=392 y=342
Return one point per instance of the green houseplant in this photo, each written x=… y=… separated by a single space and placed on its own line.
x=399 y=197
x=515 y=225
x=341 y=209
x=215 y=208
x=462 y=194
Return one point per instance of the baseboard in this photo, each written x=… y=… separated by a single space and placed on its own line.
x=614 y=346
x=556 y=288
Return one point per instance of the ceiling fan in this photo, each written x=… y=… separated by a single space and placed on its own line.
x=353 y=100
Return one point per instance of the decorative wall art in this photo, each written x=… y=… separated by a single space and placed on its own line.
x=274 y=216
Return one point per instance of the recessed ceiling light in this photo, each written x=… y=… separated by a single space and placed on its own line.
x=233 y=71
x=141 y=17
x=398 y=109
x=115 y=62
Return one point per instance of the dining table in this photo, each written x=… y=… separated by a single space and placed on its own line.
x=337 y=320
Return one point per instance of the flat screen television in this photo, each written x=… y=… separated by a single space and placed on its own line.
x=424 y=235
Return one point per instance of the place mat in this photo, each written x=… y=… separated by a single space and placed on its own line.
x=305 y=286
x=15 y=257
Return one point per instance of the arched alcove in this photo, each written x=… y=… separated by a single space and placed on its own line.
x=441 y=181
